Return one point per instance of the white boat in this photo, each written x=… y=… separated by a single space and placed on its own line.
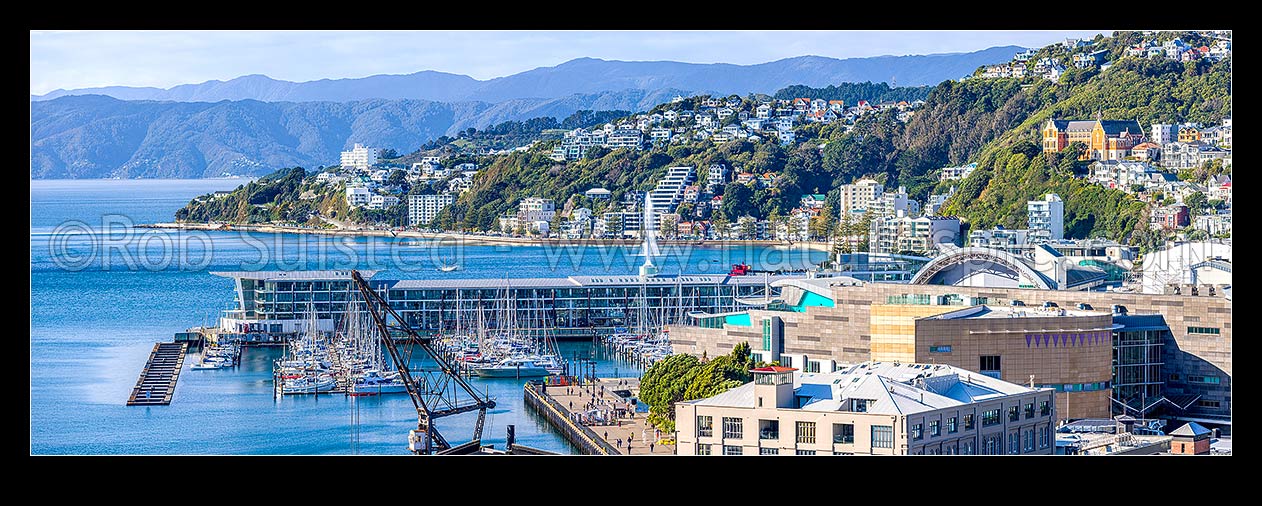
x=512 y=368
x=374 y=383
x=448 y=268
x=212 y=364
x=309 y=384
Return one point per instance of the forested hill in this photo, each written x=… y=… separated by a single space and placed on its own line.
x=852 y=93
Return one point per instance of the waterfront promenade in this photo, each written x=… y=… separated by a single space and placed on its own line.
x=611 y=417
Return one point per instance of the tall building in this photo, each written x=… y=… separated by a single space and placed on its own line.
x=895 y=203
x=1163 y=133
x=916 y=235
x=359 y=157
x=857 y=197
x=1047 y=214
x=873 y=408
x=1104 y=139
x=423 y=208
x=670 y=189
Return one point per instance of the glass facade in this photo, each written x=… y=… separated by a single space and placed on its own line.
x=570 y=307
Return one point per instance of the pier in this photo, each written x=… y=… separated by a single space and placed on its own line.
x=595 y=419
x=157 y=380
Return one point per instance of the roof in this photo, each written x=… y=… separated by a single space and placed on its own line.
x=772 y=368
x=294 y=275
x=1190 y=429
x=890 y=388
x=1115 y=127
x=1079 y=126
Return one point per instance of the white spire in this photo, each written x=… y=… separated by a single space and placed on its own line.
x=647 y=228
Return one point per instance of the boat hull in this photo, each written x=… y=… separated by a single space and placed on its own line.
x=510 y=372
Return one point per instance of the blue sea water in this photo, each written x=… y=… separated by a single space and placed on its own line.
x=102 y=292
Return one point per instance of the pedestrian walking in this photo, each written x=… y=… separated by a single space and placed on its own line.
x=650 y=447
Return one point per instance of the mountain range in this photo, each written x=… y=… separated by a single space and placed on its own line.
x=580 y=76
x=254 y=124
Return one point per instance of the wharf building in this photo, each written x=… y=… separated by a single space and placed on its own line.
x=272 y=306
x=1104 y=353
x=873 y=408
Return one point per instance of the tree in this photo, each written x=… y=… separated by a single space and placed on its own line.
x=1196 y=203
x=737 y=201
x=389 y=154
x=748 y=227
x=670 y=227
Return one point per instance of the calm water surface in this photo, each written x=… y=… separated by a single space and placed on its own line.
x=103 y=292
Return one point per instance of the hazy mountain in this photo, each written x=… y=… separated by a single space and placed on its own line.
x=580 y=76
x=95 y=136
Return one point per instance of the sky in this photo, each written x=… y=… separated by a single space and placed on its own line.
x=82 y=59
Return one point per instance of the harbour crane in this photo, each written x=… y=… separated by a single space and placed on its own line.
x=436 y=396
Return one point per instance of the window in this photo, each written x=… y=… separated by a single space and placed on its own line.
x=843 y=433
x=703 y=449
x=859 y=405
x=1213 y=380
x=1045 y=408
x=952 y=425
x=966 y=448
x=1207 y=404
x=732 y=450
x=1029 y=441
x=1203 y=330
x=1174 y=377
x=917 y=431
x=1013 y=414
x=1029 y=410
x=1014 y=442
x=705 y=426
x=768 y=451
x=968 y=422
x=935 y=429
x=1045 y=437
x=733 y=428
x=806 y=452
x=989 y=445
x=939 y=349
x=882 y=436
x=786 y=361
x=990 y=417
x=769 y=429
x=989 y=363
x=757 y=357
x=812 y=366
x=766 y=334
x=806 y=432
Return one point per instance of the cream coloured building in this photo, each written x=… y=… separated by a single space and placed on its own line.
x=873 y=408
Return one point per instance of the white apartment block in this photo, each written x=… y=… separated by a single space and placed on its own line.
x=873 y=408
x=917 y=235
x=858 y=196
x=1047 y=214
x=670 y=189
x=379 y=202
x=359 y=157
x=950 y=173
x=423 y=208
x=1164 y=133
x=535 y=209
x=357 y=196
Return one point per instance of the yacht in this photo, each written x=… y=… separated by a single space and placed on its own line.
x=512 y=368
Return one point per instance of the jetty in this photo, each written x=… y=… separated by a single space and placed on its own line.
x=157 y=380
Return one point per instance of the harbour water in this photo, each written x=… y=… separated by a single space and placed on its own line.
x=103 y=292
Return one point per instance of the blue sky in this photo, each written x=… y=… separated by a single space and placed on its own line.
x=80 y=59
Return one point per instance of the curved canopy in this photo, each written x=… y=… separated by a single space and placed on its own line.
x=961 y=265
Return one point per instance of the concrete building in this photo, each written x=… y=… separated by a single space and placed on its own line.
x=962 y=172
x=358 y=196
x=895 y=203
x=1188 y=265
x=873 y=408
x=669 y=191
x=916 y=235
x=423 y=208
x=1171 y=217
x=857 y=197
x=359 y=157
x=817 y=323
x=1047 y=215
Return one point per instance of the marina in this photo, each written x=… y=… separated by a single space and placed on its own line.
x=82 y=381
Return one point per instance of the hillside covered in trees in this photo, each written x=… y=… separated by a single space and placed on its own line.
x=993 y=122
